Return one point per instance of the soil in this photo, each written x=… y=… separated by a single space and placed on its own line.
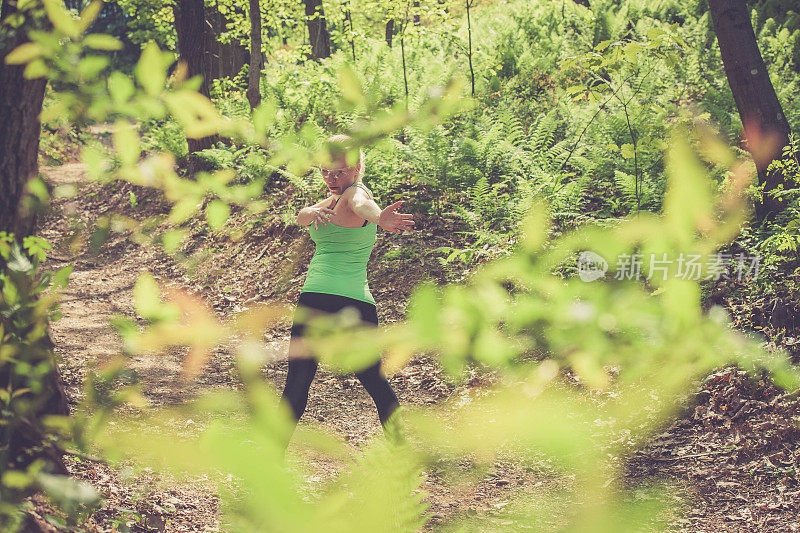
x=732 y=454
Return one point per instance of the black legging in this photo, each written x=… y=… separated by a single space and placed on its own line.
x=302 y=369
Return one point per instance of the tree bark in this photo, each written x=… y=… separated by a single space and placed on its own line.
x=253 y=82
x=389 y=32
x=469 y=54
x=193 y=49
x=766 y=129
x=349 y=19
x=225 y=59
x=20 y=105
x=318 y=34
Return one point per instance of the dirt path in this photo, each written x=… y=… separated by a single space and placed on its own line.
x=736 y=472
x=101 y=287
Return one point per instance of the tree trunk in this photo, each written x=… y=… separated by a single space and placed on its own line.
x=469 y=55
x=253 y=83
x=416 y=13
x=317 y=30
x=349 y=20
x=766 y=130
x=20 y=106
x=389 y=32
x=193 y=49
x=225 y=59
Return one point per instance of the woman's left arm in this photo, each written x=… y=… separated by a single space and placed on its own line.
x=388 y=219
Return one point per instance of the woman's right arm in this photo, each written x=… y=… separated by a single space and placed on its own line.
x=315 y=214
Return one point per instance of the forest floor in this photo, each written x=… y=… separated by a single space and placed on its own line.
x=732 y=454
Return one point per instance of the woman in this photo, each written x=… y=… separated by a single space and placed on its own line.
x=343 y=227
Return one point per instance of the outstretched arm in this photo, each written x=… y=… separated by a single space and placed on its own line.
x=316 y=214
x=388 y=219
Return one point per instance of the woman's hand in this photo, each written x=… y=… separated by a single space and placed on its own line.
x=394 y=222
x=321 y=215
x=315 y=214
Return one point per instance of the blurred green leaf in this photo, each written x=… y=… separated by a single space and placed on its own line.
x=24 y=53
x=350 y=86
x=61 y=277
x=217 y=213
x=16 y=479
x=120 y=87
x=68 y=492
x=183 y=210
x=151 y=73
x=88 y=16
x=627 y=151
x=36 y=69
x=147 y=296
x=90 y=66
x=62 y=20
x=172 y=239
x=195 y=112
x=126 y=142
x=100 y=41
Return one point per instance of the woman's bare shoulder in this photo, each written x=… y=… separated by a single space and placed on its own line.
x=356 y=190
x=324 y=202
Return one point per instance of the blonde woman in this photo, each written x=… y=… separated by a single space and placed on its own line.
x=343 y=226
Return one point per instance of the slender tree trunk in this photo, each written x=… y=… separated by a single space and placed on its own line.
x=402 y=136
x=193 y=49
x=403 y=55
x=253 y=83
x=349 y=19
x=766 y=130
x=469 y=55
x=317 y=30
x=389 y=32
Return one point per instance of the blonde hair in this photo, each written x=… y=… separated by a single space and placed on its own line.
x=338 y=146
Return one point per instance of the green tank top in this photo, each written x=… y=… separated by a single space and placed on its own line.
x=339 y=265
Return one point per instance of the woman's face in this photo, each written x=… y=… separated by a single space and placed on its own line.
x=339 y=176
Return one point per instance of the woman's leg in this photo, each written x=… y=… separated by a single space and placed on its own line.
x=298 y=381
x=378 y=387
x=303 y=368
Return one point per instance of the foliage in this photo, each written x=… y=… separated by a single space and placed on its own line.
x=164 y=135
x=58 y=146
x=27 y=301
x=149 y=20
x=146 y=97
x=611 y=79
x=778 y=241
x=629 y=344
